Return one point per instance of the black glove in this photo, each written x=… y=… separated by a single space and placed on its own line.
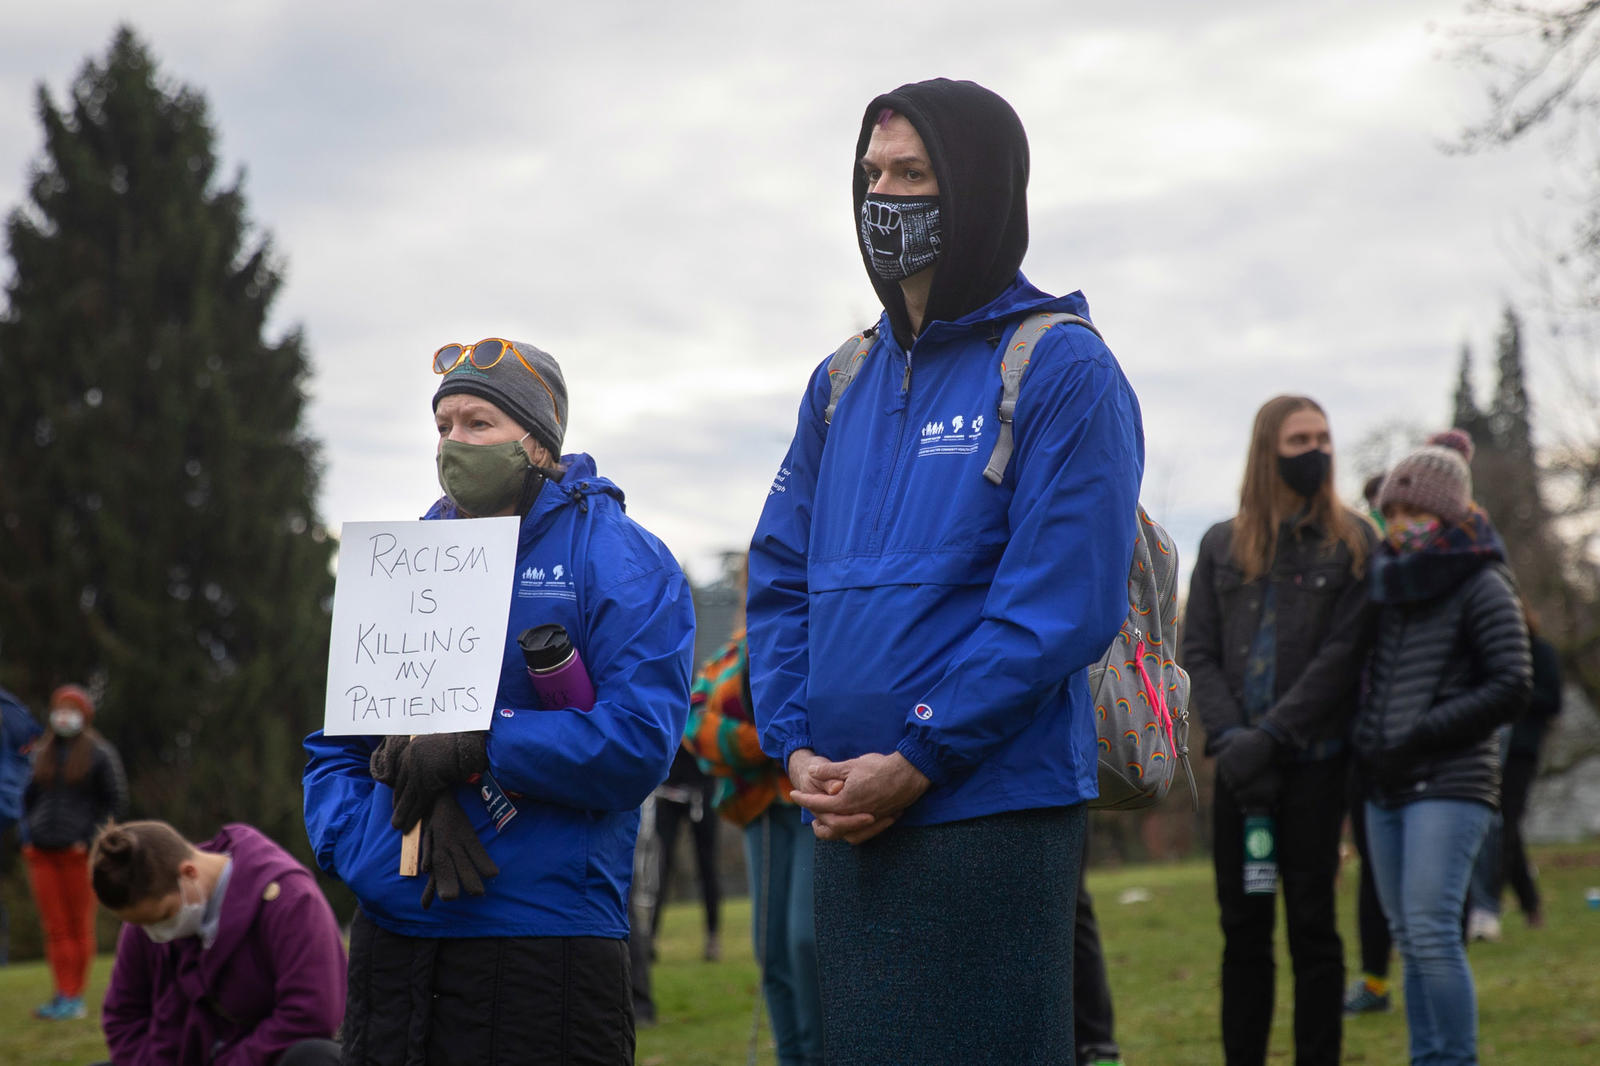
x=426 y=767
x=385 y=762
x=1261 y=792
x=452 y=855
x=1244 y=756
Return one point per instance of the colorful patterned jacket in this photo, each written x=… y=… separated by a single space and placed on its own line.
x=722 y=736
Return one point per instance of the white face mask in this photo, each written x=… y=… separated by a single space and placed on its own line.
x=186 y=922
x=65 y=722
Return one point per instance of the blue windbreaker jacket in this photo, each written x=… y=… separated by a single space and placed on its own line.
x=901 y=602
x=18 y=731
x=566 y=859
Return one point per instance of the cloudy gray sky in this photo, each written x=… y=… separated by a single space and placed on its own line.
x=1249 y=193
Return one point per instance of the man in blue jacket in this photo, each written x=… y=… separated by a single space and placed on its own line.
x=919 y=635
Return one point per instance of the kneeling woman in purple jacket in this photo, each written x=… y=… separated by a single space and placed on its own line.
x=229 y=956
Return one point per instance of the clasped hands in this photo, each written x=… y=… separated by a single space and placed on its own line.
x=856 y=799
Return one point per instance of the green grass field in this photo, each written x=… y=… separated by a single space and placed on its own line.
x=1538 y=990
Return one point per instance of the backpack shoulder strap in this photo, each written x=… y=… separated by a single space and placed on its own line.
x=844 y=366
x=1012 y=367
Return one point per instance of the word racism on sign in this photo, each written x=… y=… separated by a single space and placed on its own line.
x=419 y=625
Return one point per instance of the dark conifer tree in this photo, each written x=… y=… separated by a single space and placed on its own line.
x=157 y=486
x=1506 y=473
x=1465 y=412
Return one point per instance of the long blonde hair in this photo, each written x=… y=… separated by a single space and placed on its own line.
x=1265 y=502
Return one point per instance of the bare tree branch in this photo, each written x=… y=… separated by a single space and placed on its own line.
x=1541 y=58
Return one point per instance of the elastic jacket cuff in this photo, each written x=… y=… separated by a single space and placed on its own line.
x=790 y=747
x=920 y=757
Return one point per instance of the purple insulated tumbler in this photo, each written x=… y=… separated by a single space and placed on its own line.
x=558 y=675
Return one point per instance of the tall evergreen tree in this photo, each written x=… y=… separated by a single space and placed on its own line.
x=1506 y=472
x=1465 y=413
x=1509 y=412
x=157 y=487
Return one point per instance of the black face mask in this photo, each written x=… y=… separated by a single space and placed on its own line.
x=900 y=233
x=1305 y=473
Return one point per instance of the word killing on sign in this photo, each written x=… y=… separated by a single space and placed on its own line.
x=372 y=642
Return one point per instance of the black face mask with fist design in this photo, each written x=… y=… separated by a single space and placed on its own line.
x=900 y=233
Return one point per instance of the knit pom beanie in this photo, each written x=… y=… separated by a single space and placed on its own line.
x=1434 y=478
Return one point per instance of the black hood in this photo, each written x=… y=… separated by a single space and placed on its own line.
x=980 y=156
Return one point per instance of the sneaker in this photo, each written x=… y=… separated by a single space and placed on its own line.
x=62 y=1008
x=1361 y=999
x=1483 y=925
x=713 y=952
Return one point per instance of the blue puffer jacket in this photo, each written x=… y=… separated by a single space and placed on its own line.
x=566 y=859
x=900 y=602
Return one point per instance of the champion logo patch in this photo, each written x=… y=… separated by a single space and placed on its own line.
x=507 y=712
x=923 y=711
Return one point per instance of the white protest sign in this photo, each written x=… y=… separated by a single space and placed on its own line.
x=419 y=625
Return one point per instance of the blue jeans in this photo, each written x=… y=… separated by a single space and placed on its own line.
x=778 y=852
x=1488 y=873
x=1422 y=856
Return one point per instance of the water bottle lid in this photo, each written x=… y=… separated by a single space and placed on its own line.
x=545 y=647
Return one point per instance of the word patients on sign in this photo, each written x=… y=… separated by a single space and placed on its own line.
x=419 y=625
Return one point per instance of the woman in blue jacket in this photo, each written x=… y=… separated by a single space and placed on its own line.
x=515 y=948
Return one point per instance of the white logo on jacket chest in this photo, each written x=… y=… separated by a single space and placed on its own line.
x=956 y=435
x=549 y=582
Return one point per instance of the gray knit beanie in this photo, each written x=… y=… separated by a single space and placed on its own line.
x=1433 y=478
x=538 y=401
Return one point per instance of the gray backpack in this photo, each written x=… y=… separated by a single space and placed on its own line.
x=1141 y=696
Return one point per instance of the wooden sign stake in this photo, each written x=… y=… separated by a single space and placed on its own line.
x=411 y=848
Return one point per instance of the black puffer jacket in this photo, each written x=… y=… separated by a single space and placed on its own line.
x=1445 y=674
x=1324 y=628
x=61 y=814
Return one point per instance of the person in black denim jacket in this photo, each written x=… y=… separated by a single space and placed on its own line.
x=1275 y=633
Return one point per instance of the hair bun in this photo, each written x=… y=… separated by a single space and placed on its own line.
x=115 y=843
x=1458 y=440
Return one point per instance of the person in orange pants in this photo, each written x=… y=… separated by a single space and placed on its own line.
x=77 y=786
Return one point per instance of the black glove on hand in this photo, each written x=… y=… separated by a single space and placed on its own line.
x=385 y=762
x=452 y=855
x=429 y=765
x=1245 y=756
x=1261 y=792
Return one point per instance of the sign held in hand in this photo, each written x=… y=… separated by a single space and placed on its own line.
x=419 y=625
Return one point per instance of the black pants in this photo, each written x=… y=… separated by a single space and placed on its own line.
x=1091 y=992
x=1308 y=816
x=669 y=818
x=305 y=1053
x=486 y=1001
x=1372 y=927
x=1518 y=780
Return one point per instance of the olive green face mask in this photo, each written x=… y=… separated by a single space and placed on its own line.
x=483 y=479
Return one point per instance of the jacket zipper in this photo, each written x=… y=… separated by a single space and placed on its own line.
x=899 y=452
